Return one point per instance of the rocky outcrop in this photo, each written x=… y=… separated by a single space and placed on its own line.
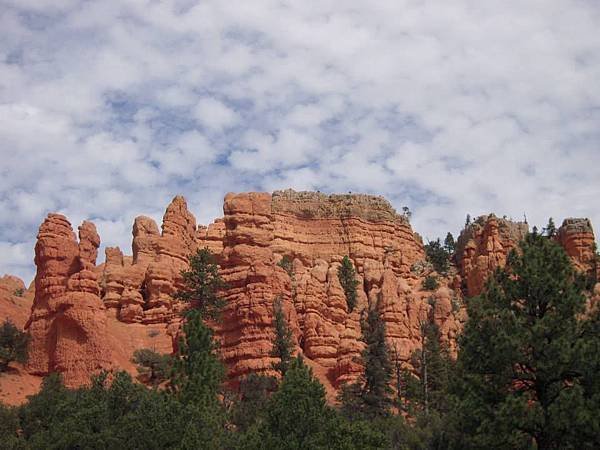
x=139 y=289
x=483 y=246
x=576 y=236
x=67 y=324
x=314 y=232
x=287 y=245
x=15 y=300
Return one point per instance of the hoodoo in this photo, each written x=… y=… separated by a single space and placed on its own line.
x=286 y=245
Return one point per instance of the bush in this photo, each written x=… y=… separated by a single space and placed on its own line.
x=154 y=366
x=430 y=283
x=13 y=345
x=287 y=264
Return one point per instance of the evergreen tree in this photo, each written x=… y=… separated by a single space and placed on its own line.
x=254 y=392
x=202 y=284
x=9 y=428
x=529 y=358
x=550 y=229
x=13 y=345
x=449 y=244
x=197 y=371
x=370 y=396
x=347 y=277
x=437 y=256
x=283 y=345
x=429 y=392
x=295 y=416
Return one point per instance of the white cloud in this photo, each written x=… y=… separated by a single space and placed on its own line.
x=109 y=109
x=214 y=114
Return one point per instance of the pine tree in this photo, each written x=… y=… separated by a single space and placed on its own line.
x=529 y=357
x=437 y=256
x=429 y=392
x=449 y=244
x=347 y=277
x=550 y=229
x=13 y=345
x=296 y=413
x=370 y=396
x=283 y=345
x=197 y=371
x=202 y=284
x=254 y=393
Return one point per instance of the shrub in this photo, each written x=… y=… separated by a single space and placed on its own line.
x=287 y=264
x=430 y=283
x=153 y=365
x=13 y=345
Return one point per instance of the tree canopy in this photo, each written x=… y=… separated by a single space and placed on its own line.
x=530 y=357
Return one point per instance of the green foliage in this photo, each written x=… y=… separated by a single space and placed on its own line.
x=347 y=277
x=449 y=244
x=197 y=371
x=370 y=396
x=9 y=428
x=428 y=392
x=438 y=256
x=19 y=292
x=287 y=264
x=13 y=345
x=152 y=366
x=430 y=283
x=202 y=284
x=254 y=393
x=114 y=412
x=550 y=229
x=295 y=413
x=529 y=359
x=283 y=345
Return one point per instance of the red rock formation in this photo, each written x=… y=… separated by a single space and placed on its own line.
x=482 y=248
x=576 y=236
x=67 y=324
x=141 y=290
x=315 y=231
x=212 y=236
x=312 y=230
x=15 y=300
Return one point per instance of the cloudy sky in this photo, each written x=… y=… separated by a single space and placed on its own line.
x=110 y=108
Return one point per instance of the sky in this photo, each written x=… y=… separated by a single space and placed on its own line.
x=110 y=108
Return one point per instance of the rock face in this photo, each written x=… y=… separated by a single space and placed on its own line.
x=314 y=232
x=139 y=289
x=67 y=324
x=287 y=245
x=576 y=236
x=483 y=246
x=15 y=300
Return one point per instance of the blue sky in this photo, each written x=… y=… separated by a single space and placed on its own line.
x=109 y=109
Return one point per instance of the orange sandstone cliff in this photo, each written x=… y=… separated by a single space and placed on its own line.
x=87 y=317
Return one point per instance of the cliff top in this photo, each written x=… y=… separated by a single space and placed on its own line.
x=317 y=205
